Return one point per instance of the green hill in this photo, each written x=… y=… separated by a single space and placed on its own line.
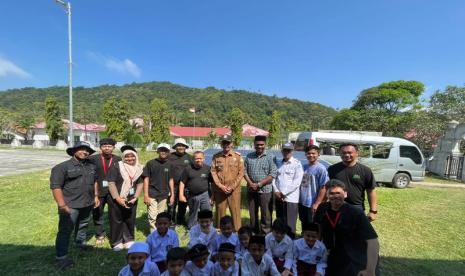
x=212 y=104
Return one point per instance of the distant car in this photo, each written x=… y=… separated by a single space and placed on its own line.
x=300 y=155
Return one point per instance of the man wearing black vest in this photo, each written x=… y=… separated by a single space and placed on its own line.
x=103 y=163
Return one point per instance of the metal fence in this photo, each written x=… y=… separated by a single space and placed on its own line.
x=454 y=167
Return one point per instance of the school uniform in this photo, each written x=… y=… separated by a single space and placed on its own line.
x=231 y=271
x=167 y=273
x=241 y=253
x=103 y=166
x=281 y=252
x=233 y=239
x=266 y=267
x=150 y=269
x=287 y=182
x=160 y=245
x=76 y=179
x=192 y=270
x=309 y=260
x=196 y=236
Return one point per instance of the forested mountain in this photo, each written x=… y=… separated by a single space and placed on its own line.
x=211 y=104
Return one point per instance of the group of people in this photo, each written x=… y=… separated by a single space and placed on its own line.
x=336 y=239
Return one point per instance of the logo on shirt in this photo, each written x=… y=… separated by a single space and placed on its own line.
x=203 y=175
x=186 y=161
x=167 y=170
x=356 y=177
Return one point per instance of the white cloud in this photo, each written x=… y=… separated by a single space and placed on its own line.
x=124 y=66
x=9 y=68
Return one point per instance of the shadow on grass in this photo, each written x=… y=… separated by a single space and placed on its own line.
x=142 y=223
x=408 y=266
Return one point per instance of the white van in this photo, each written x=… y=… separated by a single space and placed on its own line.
x=392 y=160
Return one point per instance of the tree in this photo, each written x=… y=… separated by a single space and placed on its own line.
x=449 y=104
x=53 y=121
x=26 y=122
x=235 y=120
x=116 y=117
x=131 y=136
x=212 y=138
x=6 y=123
x=275 y=129
x=425 y=129
x=159 y=119
x=83 y=116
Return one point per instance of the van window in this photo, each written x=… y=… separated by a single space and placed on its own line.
x=381 y=152
x=411 y=152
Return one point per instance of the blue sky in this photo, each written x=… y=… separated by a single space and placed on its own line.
x=321 y=51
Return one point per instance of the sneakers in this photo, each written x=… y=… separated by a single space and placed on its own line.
x=118 y=247
x=64 y=264
x=100 y=241
x=128 y=245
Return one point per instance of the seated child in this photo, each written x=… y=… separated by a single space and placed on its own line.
x=280 y=247
x=139 y=262
x=256 y=262
x=162 y=240
x=203 y=232
x=309 y=252
x=226 y=235
x=176 y=260
x=244 y=234
x=199 y=264
x=226 y=264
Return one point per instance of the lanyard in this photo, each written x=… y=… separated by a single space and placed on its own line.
x=105 y=168
x=131 y=178
x=333 y=223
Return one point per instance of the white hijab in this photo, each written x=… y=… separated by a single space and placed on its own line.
x=126 y=171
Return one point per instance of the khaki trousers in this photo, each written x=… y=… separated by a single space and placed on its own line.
x=233 y=201
x=155 y=207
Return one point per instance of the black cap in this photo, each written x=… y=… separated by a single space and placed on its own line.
x=226 y=138
x=227 y=247
x=257 y=239
x=79 y=145
x=198 y=250
x=260 y=138
x=128 y=147
x=107 y=141
x=287 y=146
x=205 y=214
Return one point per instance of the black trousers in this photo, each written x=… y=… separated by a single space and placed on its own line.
x=178 y=217
x=122 y=223
x=305 y=214
x=98 y=216
x=287 y=212
x=262 y=201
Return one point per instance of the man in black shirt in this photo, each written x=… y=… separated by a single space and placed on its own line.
x=179 y=161
x=348 y=235
x=357 y=177
x=103 y=163
x=158 y=184
x=74 y=187
x=197 y=180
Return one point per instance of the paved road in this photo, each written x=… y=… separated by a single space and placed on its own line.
x=21 y=161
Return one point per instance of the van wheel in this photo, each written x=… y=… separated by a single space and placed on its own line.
x=401 y=180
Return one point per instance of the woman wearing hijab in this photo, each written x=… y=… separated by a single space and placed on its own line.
x=125 y=185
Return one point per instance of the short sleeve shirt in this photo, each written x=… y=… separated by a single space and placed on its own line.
x=197 y=180
x=258 y=168
x=357 y=178
x=76 y=179
x=315 y=177
x=178 y=164
x=159 y=174
x=102 y=174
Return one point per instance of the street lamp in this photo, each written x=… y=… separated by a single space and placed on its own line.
x=67 y=7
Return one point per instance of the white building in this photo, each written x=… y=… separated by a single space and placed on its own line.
x=89 y=132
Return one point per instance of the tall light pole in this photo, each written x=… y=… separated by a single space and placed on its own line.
x=67 y=7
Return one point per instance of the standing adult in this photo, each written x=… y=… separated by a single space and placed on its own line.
x=125 y=185
x=158 y=184
x=74 y=187
x=347 y=233
x=196 y=178
x=179 y=160
x=260 y=169
x=312 y=189
x=286 y=187
x=103 y=163
x=357 y=177
x=227 y=170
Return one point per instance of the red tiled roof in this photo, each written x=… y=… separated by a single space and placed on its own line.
x=181 y=131
x=77 y=126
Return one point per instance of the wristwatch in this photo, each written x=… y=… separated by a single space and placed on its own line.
x=373 y=211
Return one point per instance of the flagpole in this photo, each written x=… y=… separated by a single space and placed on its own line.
x=194 y=121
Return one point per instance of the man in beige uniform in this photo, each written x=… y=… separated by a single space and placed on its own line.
x=227 y=169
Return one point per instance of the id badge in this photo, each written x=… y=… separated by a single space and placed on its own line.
x=131 y=191
x=104 y=183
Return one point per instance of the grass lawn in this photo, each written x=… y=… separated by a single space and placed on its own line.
x=420 y=230
x=433 y=178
